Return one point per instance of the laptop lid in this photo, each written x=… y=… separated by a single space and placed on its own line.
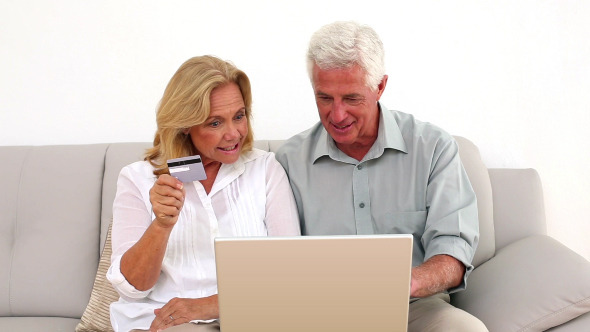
x=314 y=283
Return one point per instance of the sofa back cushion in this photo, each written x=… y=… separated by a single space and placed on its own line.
x=480 y=181
x=519 y=209
x=118 y=155
x=49 y=247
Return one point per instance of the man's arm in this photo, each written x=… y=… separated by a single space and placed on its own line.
x=451 y=233
x=436 y=275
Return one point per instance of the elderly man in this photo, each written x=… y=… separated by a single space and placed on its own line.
x=364 y=169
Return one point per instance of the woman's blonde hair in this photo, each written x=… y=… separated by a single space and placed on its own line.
x=186 y=103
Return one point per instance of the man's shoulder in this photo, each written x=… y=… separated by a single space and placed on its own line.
x=414 y=130
x=299 y=144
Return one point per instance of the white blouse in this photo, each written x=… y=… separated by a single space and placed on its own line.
x=251 y=197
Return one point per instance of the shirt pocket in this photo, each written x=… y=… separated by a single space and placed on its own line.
x=412 y=222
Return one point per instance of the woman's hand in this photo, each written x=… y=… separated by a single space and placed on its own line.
x=167 y=198
x=179 y=311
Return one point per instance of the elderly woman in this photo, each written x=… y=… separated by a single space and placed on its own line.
x=163 y=262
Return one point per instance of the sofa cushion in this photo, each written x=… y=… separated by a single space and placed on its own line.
x=519 y=209
x=28 y=324
x=49 y=228
x=580 y=324
x=96 y=317
x=532 y=284
x=480 y=181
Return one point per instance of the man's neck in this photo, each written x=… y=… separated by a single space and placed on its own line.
x=357 y=150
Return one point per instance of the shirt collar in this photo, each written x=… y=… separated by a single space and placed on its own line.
x=229 y=172
x=389 y=136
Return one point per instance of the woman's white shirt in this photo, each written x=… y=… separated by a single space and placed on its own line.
x=251 y=197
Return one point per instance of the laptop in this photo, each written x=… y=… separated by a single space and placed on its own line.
x=314 y=283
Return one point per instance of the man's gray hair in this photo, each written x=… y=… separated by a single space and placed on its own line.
x=341 y=45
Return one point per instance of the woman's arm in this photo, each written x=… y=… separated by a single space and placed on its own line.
x=179 y=311
x=142 y=263
x=282 y=217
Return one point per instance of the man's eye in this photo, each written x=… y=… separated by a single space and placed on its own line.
x=353 y=101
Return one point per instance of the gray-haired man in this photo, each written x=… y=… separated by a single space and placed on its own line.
x=364 y=169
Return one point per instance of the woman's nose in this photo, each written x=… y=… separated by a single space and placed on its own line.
x=232 y=132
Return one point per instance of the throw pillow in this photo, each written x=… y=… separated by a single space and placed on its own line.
x=96 y=317
x=531 y=285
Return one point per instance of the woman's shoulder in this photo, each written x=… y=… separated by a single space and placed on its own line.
x=256 y=155
x=257 y=160
x=139 y=170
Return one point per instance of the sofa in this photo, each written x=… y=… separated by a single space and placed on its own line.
x=56 y=208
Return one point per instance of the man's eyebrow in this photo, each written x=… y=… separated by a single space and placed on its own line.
x=349 y=95
x=353 y=95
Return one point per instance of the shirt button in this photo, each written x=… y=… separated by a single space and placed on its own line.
x=362 y=205
x=359 y=167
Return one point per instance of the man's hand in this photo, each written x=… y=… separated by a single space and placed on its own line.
x=179 y=311
x=436 y=275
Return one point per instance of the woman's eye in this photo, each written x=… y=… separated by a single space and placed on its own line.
x=215 y=124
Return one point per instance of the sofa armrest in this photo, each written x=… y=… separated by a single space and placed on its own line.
x=532 y=284
x=519 y=210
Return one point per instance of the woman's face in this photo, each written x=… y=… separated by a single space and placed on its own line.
x=221 y=137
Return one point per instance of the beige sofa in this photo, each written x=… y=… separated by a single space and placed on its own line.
x=56 y=208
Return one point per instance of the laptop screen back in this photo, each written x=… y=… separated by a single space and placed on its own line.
x=314 y=283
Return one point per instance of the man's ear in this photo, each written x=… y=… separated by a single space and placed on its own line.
x=381 y=86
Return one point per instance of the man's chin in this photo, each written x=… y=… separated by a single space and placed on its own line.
x=343 y=140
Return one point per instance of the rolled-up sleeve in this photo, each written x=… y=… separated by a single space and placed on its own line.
x=126 y=290
x=452 y=226
x=131 y=217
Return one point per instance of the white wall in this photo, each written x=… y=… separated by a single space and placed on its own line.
x=512 y=76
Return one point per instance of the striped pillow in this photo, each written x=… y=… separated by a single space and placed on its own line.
x=96 y=317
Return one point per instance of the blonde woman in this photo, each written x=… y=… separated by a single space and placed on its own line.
x=163 y=262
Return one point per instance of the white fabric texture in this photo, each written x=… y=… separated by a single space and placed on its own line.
x=251 y=197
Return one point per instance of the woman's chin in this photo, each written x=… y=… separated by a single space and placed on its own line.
x=228 y=157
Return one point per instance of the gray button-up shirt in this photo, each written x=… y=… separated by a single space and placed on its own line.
x=410 y=182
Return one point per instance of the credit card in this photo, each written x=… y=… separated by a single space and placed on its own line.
x=187 y=169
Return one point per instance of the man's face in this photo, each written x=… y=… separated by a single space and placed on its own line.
x=347 y=107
